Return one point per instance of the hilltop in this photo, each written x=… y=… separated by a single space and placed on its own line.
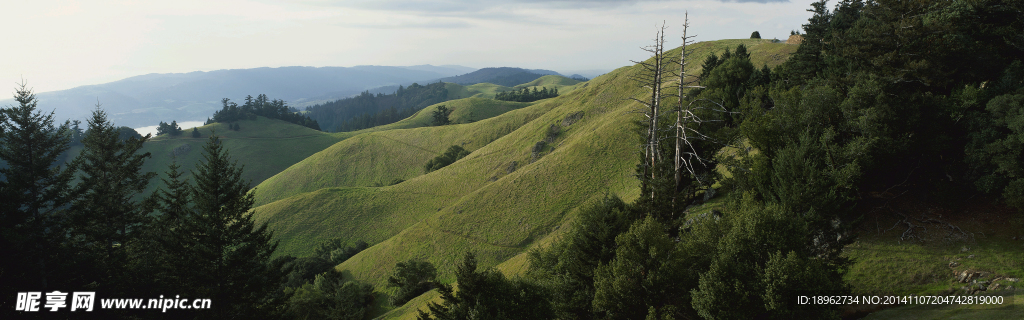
x=501 y=76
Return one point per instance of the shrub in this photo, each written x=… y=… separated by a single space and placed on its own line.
x=454 y=153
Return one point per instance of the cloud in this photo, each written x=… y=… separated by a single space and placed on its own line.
x=470 y=9
x=432 y=24
x=469 y=5
x=757 y=1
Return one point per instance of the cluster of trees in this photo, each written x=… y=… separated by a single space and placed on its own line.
x=317 y=291
x=85 y=225
x=261 y=106
x=169 y=128
x=454 y=153
x=80 y=226
x=368 y=110
x=526 y=95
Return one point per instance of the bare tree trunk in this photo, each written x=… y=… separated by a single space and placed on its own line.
x=653 y=78
x=680 y=132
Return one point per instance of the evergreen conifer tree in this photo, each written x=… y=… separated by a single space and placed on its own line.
x=35 y=194
x=228 y=255
x=105 y=220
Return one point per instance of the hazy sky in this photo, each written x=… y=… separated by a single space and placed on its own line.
x=57 y=45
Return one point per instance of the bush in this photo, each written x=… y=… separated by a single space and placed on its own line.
x=454 y=153
x=337 y=251
x=755 y=35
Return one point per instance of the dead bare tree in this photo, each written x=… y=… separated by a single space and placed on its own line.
x=690 y=115
x=652 y=77
x=683 y=159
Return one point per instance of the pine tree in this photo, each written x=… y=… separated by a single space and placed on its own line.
x=105 y=220
x=35 y=193
x=645 y=273
x=228 y=255
x=166 y=240
x=175 y=129
x=709 y=64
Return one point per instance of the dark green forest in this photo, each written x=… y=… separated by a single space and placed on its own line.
x=883 y=98
x=367 y=110
x=526 y=95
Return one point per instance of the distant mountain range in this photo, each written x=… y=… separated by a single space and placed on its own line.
x=503 y=76
x=148 y=99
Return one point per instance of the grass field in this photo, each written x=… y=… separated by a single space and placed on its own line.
x=510 y=194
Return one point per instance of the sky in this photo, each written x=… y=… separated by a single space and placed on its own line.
x=61 y=44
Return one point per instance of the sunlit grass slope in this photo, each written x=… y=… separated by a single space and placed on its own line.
x=550 y=81
x=563 y=84
x=382 y=154
x=499 y=201
x=486 y=90
x=264 y=146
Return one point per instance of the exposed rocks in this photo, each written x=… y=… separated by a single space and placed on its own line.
x=511 y=167
x=572 y=118
x=553 y=131
x=537 y=149
x=968 y=275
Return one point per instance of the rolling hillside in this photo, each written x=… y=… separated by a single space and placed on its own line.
x=264 y=146
x=528 y=171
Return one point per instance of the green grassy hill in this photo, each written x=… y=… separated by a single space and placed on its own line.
x=264 y=146
x=509 y=194
x=398 y=150
x=486 y=90
x=563 y=84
